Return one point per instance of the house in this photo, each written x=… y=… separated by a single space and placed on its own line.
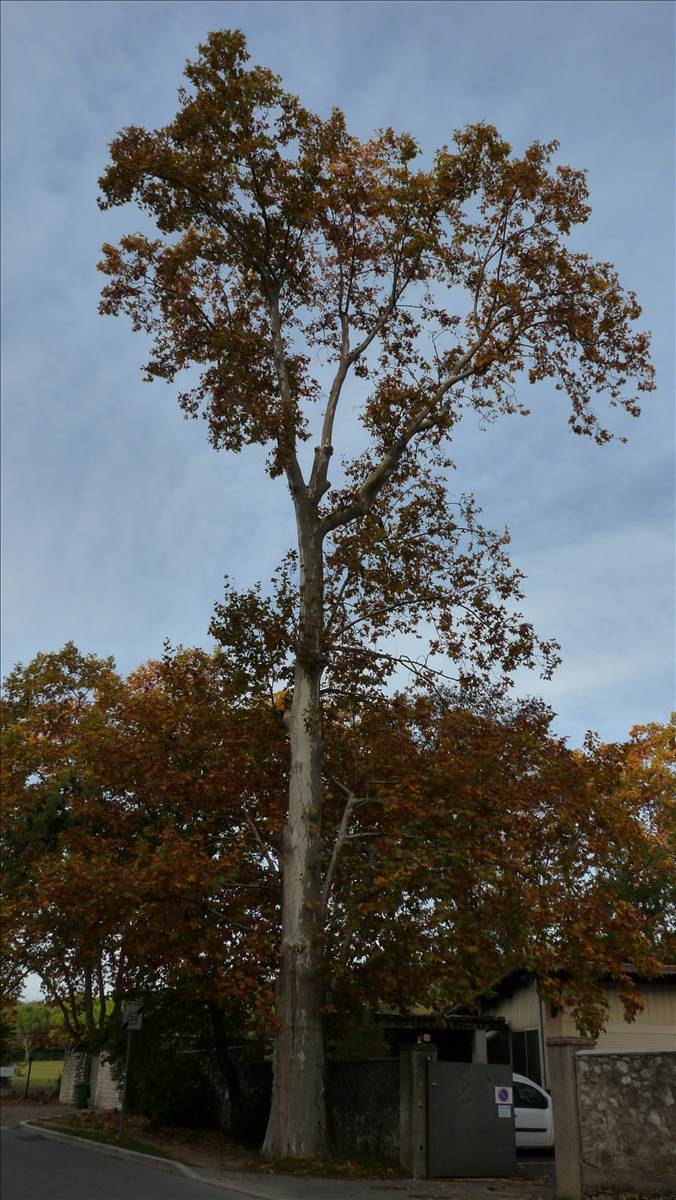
x=532 y=1019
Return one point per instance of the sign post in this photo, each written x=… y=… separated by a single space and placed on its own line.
x=132 y=1018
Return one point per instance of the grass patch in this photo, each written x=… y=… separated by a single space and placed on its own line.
x=82 y=1127
x=44 y=1075
x=211 y=1148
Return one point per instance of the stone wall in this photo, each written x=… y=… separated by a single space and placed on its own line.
x=363 y=1107
x=627 y=1114
x=75 y=1070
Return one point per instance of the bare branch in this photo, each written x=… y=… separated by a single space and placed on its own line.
x=286 y=438
x=71 y=994
x=341 y=838
x=500 y=231
x=423 y=419
x=102 y=992
x=336 y=605
x=261 y=844
x=74 y=1033
x=415 y=666
x=89 y=1002
x=348 y=357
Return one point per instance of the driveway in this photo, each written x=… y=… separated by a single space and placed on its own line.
x=13 y=1112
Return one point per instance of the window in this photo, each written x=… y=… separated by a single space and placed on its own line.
x=526 y=1096
x=526 y=1054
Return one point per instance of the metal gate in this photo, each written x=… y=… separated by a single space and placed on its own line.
x=470 y=1120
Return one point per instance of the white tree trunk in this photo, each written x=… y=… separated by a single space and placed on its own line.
x=297 y=1126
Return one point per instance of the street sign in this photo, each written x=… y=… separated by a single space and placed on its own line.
x=503 y=1095
x=132 y=1016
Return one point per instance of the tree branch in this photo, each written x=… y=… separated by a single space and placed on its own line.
x=353 y=801
x=423 y=419
x=348 y=357
x=88 y=1003
x=286 y=438
x=337 y=602
x=261 y=844
x=66 y=1019
x=102 y=993
x=417 y=668
x=341 y=838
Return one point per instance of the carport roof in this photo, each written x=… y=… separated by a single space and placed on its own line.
x=427 y=1022
x=518 y=977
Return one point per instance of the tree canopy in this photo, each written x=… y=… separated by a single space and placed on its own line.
x=459 y=837
x=123 y=799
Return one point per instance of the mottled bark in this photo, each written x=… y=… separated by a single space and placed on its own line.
x=297 y=1126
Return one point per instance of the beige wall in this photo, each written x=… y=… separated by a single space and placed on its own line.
x=654 y=1028
x=522 y=1010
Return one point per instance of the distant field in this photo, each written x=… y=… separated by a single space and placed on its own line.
x=43 y=1075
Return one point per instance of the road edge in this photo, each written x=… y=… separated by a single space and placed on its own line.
x=169 y=1164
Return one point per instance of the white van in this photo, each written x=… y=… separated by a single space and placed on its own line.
x=532 y=1115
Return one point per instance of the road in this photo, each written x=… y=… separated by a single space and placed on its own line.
x=38 y=1168
x=35 y=1167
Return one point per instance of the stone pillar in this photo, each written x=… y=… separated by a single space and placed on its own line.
x=480 y=1046
x=75 y=1070
x=563 y=1085
x=108 y=1093
x=413 y=1064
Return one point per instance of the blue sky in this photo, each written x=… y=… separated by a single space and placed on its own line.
x=120 y=521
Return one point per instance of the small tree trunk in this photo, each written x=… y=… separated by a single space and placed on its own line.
x=297 y=1125
x=227 y=1067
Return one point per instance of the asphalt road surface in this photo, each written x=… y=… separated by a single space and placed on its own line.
x=35 y=1167
x=39 y=1168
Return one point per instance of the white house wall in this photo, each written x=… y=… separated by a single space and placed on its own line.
x=653 y=1029
x=522 y=1010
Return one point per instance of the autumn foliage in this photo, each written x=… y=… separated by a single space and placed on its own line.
x=129 y=834
x=142 y=825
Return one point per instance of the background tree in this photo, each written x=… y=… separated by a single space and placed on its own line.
x=10 y=1045
x=55 y=888
x=172 y=1069
x=36 y=1026
x=470 y=842
x=283 y=243
x=123 y=799
x=648 y=785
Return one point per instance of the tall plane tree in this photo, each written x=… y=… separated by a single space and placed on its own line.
x=295 y=264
